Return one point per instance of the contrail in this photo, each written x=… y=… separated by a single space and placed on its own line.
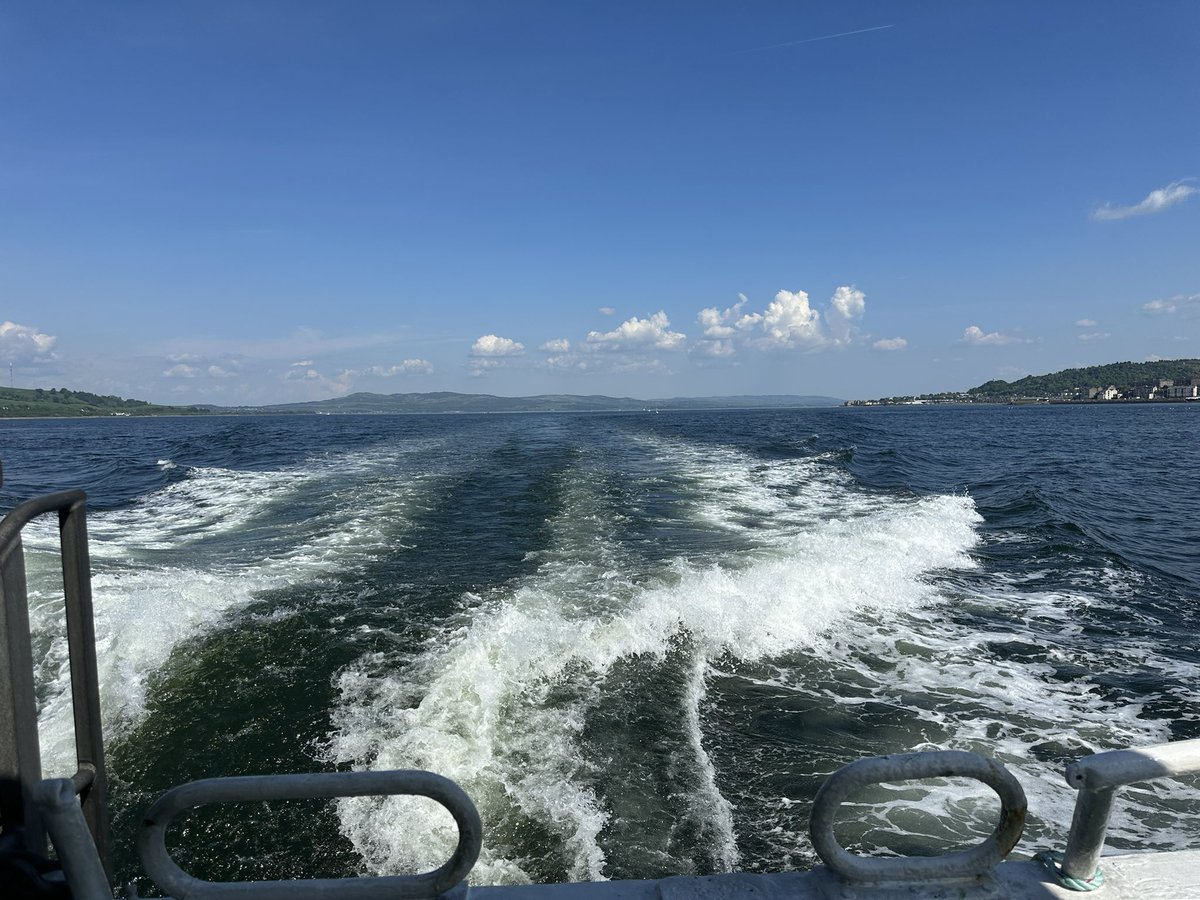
x=826 y=37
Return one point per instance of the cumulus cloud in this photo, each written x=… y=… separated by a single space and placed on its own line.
x=558 y=345
x=1180 y=303
x=975 y=335
x=181 y=370
x=1094 y=336
x=407 y=367
x=298 y=373
x=719 y=324
x=491 y=345
x=24 y=344
x=639 y=334
x=896 y=343
x=846 y=309
x=713 y=349
x=1086 y=323
x=607 y=311
x=1156 y=201
x=789 y=322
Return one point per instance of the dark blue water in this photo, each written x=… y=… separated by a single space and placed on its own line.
x=639 y=641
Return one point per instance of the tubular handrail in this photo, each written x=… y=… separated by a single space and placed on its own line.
x=1097 y=778
x=20 y=754
x=151 y=839
x=978 y=860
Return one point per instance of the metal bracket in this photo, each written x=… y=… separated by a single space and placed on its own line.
x=1097 y=778
x=151 y=840
x=979 y=860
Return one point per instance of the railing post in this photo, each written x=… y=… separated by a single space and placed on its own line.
x=1089 y=823
x=85 y=681
x=20 y=753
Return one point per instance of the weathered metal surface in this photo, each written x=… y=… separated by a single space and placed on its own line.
x=167 y=875
x=20 y=755
x=1097 y=779
x=72 y=838
x=91 y=776
x=1147 y=876
x=908 y=767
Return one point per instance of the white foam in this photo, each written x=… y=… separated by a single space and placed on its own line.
x=164 y=570
x=139 y=618
x=477 y=706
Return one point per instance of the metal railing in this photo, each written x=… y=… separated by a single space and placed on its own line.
x=74 y=811
x=1097 y=778
x=244 y=789
x=20 y=752
x=978 y=860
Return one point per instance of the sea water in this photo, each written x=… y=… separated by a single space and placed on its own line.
x=638 y=641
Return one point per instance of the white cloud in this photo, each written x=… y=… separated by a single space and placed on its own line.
x=301 y=374
x=896 y=343
x=493 y=345
x=221 y=372
x=181 y=370
x=1086 y=323
x=23 y=344
x=481 y=365
x=558 y=345
x=718 y=325
x=1095 y=336
x=846 y=308
x=715 y=349
x=1156 y=201
x=303 y=364
x=407 y=367
x=639 y=334
x=975 y=335
x=607 y=311
x=1180 y=303
x=789 y=322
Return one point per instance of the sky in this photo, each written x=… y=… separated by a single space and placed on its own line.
x=261 y=202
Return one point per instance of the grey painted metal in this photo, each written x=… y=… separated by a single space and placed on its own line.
x=91 y=778
x=151 y=840
x=20 y=754
x=976 y=861
x=1161 y=876
x=1097 y=778
x=72 y=838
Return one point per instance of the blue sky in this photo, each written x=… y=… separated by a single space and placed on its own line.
x=265 y=201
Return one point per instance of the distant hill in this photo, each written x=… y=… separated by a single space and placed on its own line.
x=1123 y=375
x=450 y=402
x=19 y=402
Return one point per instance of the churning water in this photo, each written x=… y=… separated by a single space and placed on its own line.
x=639 y=642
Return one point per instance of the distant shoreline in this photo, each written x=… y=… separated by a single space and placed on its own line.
x=876 y=404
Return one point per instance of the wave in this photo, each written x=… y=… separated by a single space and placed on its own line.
x=181 y=558
x=500 y=701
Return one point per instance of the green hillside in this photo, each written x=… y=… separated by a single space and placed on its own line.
x=19 y=402
x=1124 y=375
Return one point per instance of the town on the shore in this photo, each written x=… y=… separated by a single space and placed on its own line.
x=1165 y=390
